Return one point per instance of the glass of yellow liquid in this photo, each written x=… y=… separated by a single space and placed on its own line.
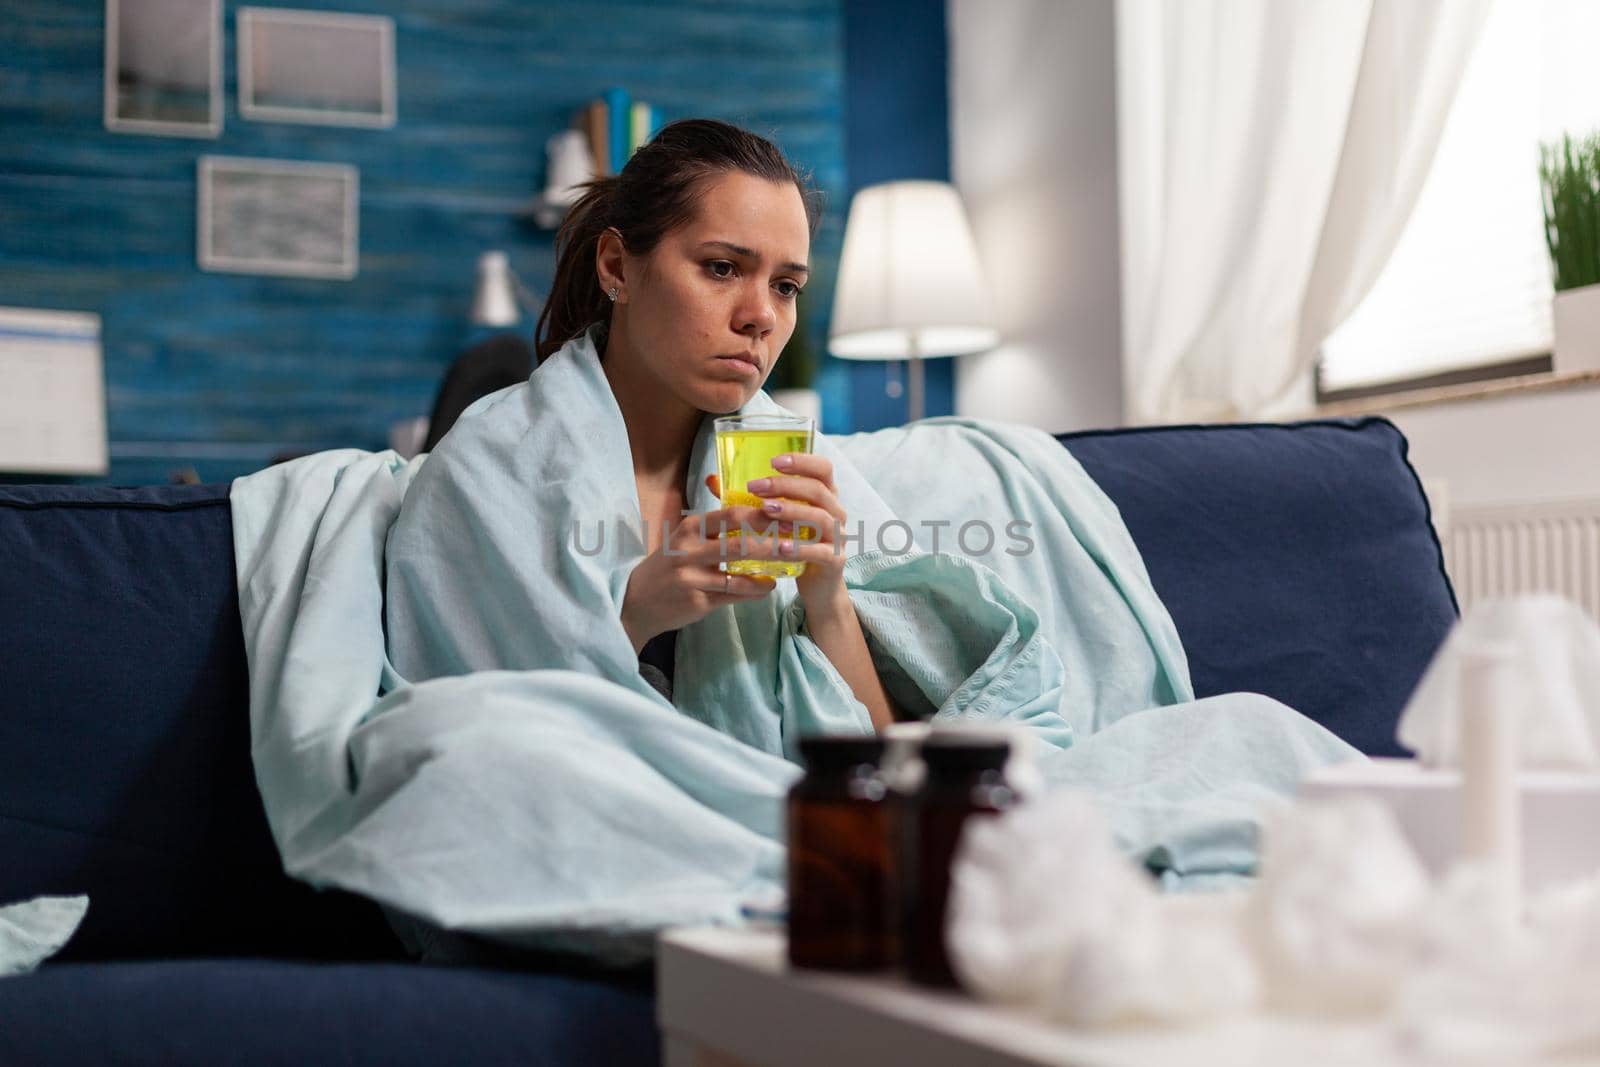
x=745 y=447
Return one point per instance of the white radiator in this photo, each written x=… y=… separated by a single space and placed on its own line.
x=1503 y=549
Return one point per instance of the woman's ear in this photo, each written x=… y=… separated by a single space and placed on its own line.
x=610 y=261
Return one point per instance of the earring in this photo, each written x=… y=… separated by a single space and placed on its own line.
x=612 y=293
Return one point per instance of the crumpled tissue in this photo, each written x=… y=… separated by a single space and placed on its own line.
x=1532 y=993
x=1343 y=921
x=1047 y=914
x=1554 y=664
x=1332 y=916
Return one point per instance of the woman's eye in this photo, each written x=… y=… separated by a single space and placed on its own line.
x=789 y=290
x=720 y=268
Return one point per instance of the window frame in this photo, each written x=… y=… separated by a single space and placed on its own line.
x=1513 y=367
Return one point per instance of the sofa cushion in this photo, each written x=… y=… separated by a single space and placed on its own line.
x=124 y=732
x=1298 y=560
x=247 y=1012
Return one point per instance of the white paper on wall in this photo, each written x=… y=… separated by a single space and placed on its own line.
x=52 y=393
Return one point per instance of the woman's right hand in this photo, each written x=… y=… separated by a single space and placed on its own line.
x=681 y=582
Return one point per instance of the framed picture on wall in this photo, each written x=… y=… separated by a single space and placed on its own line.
x=275 y=216
x=163 y=67
x=316 y=66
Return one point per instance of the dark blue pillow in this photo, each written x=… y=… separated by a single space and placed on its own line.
x=124 y=732
x=1298 y=560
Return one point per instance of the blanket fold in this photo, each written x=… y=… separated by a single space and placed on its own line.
x=448 y=717
x=32 y=931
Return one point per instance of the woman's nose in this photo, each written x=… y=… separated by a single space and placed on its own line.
x=755 y=314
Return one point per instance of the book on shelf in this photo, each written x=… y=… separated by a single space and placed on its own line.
x=617 y=103
x=645 y=121
x=594 y=127
x=616 y=125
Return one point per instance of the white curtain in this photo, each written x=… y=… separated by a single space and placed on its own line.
x=1270 y=152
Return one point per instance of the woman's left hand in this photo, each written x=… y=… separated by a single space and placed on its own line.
x=802 y=494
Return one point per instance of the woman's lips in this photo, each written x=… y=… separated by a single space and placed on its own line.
x=743 y=364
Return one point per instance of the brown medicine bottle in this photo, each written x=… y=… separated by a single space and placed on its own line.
x=838 y=825
x=965 y=778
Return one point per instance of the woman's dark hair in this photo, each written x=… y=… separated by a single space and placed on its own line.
x=656 y=192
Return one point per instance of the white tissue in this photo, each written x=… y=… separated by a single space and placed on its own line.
x=1175 y=960
x=1334 y=914
x=1027 y=887
x=1530 y=994
x=1555 y=671
x=1344 y=920
x=1046 y=913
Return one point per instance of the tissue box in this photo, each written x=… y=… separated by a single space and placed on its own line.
x=1560 y=813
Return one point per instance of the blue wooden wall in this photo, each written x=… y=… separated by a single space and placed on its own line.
x=221 y=372
x=897 y=125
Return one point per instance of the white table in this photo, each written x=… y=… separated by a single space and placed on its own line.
x=728 y=998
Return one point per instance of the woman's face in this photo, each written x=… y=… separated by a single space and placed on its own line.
x=710 y=308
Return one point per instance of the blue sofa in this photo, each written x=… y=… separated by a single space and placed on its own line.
x=1296 y=560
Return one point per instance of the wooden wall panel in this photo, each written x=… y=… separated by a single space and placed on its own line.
x=221 y=372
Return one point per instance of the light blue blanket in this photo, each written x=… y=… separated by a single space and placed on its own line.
x=496 y=764
x=33 y=930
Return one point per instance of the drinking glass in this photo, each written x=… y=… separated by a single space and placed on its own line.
x=746 y=445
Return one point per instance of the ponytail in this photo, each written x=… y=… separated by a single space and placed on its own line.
x=575 y=301
x=656 y=192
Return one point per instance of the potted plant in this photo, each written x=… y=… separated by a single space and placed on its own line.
x=1570 y=174
x=789 y=385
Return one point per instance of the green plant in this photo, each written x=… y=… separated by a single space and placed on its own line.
x=1570 y=174
x=797 y=366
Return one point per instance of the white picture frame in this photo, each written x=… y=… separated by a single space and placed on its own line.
x=278 y=216
x=319 y=67
x=163 y=67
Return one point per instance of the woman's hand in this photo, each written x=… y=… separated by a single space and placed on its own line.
x=802 y=495
x=680 y=583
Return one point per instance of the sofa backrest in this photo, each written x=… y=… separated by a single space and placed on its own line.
x=1298 y=560
x=124 y=733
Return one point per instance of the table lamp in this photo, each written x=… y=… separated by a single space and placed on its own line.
x=909 y=282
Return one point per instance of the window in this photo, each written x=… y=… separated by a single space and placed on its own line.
x=1467 y=293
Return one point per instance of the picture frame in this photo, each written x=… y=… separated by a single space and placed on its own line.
x=318 y=67
x=276 y=216
x=163 y=67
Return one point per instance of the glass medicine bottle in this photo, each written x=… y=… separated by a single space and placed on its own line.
x=838 y=828
x=964 y=779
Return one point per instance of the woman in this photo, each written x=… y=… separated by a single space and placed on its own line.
x=689 y=263
x=673 y=297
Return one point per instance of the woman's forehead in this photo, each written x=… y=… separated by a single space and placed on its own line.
x=762 y=217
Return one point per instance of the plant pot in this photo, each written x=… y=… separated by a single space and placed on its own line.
x=1577 y=329
x=801 y=402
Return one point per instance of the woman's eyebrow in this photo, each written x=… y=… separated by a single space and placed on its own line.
x=749 y=253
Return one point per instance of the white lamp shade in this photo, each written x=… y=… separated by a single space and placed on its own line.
x=909 y=280
x=494 y=301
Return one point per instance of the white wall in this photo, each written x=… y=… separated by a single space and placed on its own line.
x=1034 y=153
x=1516 y=448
